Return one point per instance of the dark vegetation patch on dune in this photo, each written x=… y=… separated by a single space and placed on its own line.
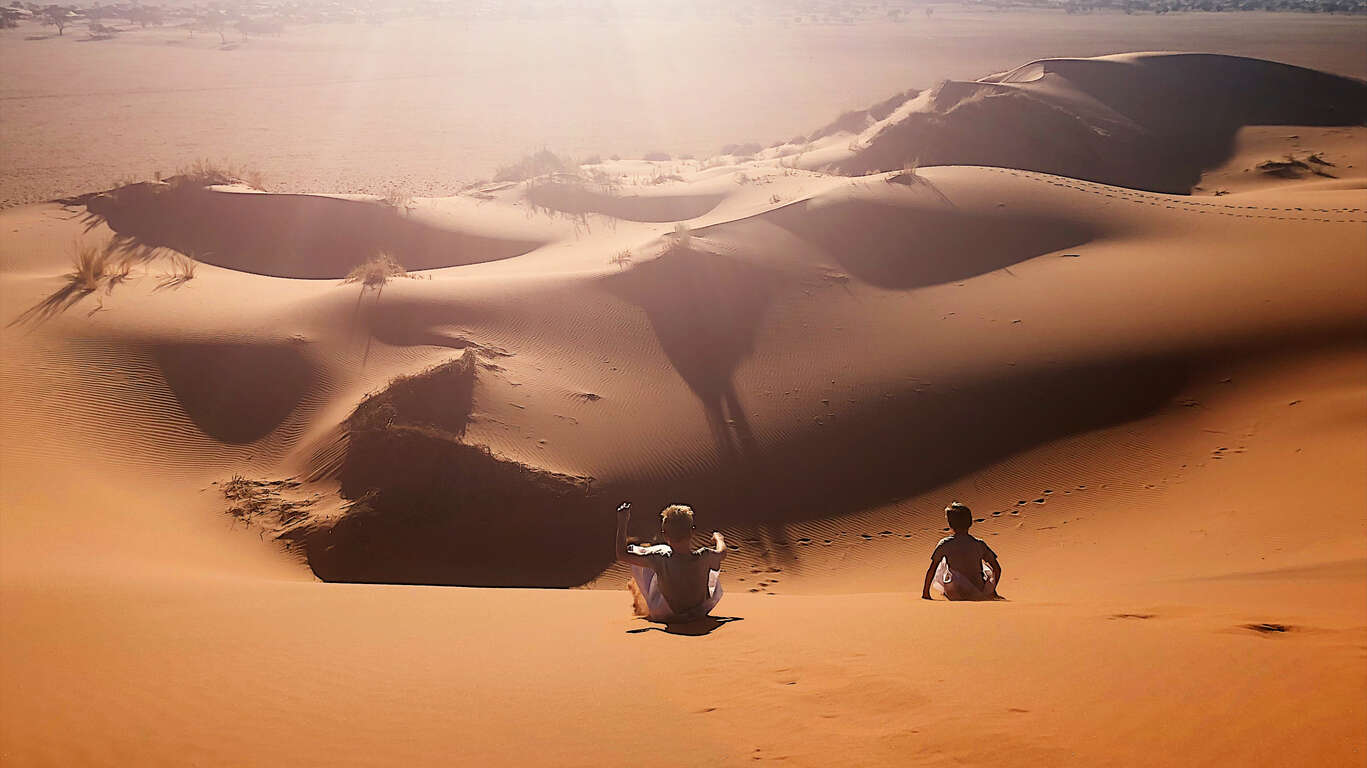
x=1153 y=122
x=427 y=508
x=284 y=235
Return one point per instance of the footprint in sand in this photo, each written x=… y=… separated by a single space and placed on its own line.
x=1268 y=628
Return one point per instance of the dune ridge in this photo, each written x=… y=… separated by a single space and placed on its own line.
x=1154 y=403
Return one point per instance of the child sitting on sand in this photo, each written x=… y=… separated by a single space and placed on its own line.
x=672 y=583
x=956 y=565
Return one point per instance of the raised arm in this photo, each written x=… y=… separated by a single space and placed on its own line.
x=623 y=556
x=717 y=552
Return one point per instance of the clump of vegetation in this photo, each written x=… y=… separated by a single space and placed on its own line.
x=622 y=259
x=742 y=150
x=261 y=501
x=533 y=165
x=910 y=173
x=373 y=274
x=206 y=173
x=1292 y=168
x=438 y=399
x=775 y=199
x=398 y=198
x=656 y=156
x=182 y=271
x=90 y=268
x=57 y=16
x=683 y=236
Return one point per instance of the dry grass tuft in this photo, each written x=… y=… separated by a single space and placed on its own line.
x=90 y=266
x=182 y=271
x=622 y=260
x=533 y=165
x=375 y=272
x=206 y=173
x=398 y=198
x=683 y=237
x=255 y=500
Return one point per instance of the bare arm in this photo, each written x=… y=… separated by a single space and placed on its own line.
x=930 y=573
x=623 y=556
x=716 y=552
x=996 y=570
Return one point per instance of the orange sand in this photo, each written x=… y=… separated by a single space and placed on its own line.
x=1154 y=402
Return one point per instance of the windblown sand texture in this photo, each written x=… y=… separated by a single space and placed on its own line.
x=1114 y=304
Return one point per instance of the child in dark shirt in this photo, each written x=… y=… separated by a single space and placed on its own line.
x=956 y=565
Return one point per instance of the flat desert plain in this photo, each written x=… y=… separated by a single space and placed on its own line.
x=320 y=468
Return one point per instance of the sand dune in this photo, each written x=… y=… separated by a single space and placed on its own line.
x=1144 y=121
x=1153 y=401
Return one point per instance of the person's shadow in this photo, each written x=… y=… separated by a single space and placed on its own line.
x=696 y=628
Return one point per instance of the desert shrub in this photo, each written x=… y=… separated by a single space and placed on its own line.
x=741 y=149
x=206 y=173
x=181 y=271
x=375 y=271
x=398 y=198
x=622 y=259
x=256 y=500
x=90 y=267
x=683 y=236
x=439 y=398
x=530 y=166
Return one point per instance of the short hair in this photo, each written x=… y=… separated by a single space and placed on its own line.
x=960 y=517
x=677 y=521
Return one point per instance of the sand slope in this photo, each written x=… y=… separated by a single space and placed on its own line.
x=1154 y=403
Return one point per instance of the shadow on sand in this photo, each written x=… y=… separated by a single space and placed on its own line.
x=696 y=628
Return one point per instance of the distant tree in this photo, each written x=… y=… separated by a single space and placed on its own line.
x=145 y=16
x=57 y=16
x=217 y=21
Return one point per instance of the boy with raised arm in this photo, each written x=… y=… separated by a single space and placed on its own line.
x=672 y=583
x=957 y=562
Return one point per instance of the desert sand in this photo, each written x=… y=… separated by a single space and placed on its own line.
x=1113 y=304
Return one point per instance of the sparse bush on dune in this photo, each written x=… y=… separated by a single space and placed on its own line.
x=398 y=198
x=683 y=237
x=622 y=259
x=262 y=502
x=90 y=267
x=530 y=166
x=206 y=173
x=182 y=271
x=742 y=150
x=373 y=275
x=375 y=272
